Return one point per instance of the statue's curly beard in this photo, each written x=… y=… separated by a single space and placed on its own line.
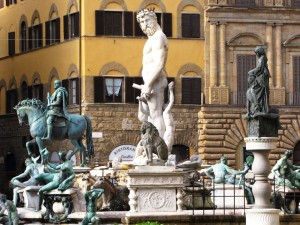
x=150 y=28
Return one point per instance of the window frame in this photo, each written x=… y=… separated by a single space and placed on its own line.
x=71 y=25
x=23 y=37
x=190 y=90
x=191 y=33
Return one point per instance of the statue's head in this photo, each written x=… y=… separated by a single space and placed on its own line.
x=147 y=20
x=259 y=51
x=62 y=155
x=224 y=160
x=288 y=153
x=57 y=84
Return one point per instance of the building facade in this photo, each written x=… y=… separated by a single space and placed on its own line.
x=95 y=48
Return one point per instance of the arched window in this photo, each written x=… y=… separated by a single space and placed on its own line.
x=24 y=90
x=23 y=41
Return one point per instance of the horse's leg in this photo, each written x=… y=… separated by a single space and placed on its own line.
x=28 y=147
x=77 y=147
x=82 y=151
x=40 y=143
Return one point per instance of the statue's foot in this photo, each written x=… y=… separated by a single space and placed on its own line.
x=46 y=138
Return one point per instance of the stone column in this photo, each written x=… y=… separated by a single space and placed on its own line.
x=222 y=55
x=213 y=54
x=269 y=40
x=278 y=55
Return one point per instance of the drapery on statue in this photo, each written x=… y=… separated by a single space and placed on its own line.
x=284 y=172
x=258 y=86
x=57 y=107
x=30 y=170
x=12 y=217
x=63 y=179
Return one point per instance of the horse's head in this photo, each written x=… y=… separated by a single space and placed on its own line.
x=30 y=106
x=21 y=116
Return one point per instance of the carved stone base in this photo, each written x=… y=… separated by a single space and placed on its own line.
x=262 y=216
x=155 y=188
x=219 y=95
x=31 y=199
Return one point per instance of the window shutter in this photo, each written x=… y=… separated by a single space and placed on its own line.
x=65 y=84
x=295 y=3
x=11 y=43
x=41 y=93
x=57 y=38
x=40 y=31
x=29 y=38
x=7 y=2
x=1 y=4
x=29 y=88
x=117 y=23
x=47 y=33
x=137 y=30
x=129 y=90
x=186 y=90
x=11 y=100
x=66 y=27
x=128 y=23
x=196 y=91
x=98 y=89
x=159 y=19
x=167 y=24
x=99 y=18
x=296 y=71
x=185 y=25
x=77 y=91
x=195 y=25
x=77 y=24
x=108 y=23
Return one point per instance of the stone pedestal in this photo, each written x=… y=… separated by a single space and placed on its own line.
x=31 y=199
x=155 y=189
x=228 y=196
x=262 y=216
x=262 y=212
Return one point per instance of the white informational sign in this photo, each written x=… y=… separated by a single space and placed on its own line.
x=73 y=158
x=125 y=152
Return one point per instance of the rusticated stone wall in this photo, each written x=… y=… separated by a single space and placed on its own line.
x=222 y=131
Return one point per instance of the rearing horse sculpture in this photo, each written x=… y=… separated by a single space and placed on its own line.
x=35 y=111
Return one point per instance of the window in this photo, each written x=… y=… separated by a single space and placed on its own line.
x=74 y=91
x=296 y=83
x=163 y=19
x=1 y=4
x=35 y=36
x=23 y=40
x=10 y=2
x=11 y=100
x=111 y=23
x=108 y=89
x=53 y=31
x=182 y=153
x=72 y=86
x=190 y=24
x=244 y=64
x=71 y=25
x=11 y=43
x=295 y=3
x=248 y=3
x=24 y=90
x=191 y=90
x=37 y=91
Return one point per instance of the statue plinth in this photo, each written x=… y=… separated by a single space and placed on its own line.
x=263 y=125
x=263 y=136
x=155 y=188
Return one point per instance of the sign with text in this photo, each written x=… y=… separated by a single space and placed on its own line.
x=125 y=152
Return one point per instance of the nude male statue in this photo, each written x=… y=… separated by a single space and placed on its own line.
x=155 y=54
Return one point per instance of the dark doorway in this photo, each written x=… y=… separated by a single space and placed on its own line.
x=296 y=154
x=182 y=153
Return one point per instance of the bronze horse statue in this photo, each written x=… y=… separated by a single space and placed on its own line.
x=76 y=125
